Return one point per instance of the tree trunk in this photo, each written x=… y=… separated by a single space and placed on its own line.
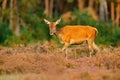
x=51 y=8
x=17 y=27
x=112 y=11
x=117 y=21
x=46 y=8
x=91 y=2
x=11 y=14
x=4 y=4
x=14 y=18
x=81 y=4
x=103 y=10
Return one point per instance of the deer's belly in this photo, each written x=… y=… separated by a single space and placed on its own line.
x=74 y=41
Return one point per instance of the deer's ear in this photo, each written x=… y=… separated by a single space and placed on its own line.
x=58 y=21
x=46 y=21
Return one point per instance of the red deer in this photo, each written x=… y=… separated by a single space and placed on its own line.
x=74 y=34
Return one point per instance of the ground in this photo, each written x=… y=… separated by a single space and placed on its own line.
x=45 y=62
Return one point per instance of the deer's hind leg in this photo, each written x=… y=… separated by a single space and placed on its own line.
x=91 y=49
x=96 y=48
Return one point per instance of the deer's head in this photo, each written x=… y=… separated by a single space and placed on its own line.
x=52 y=25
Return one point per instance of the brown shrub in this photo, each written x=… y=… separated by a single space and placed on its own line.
x=30 y=62
x=108 y=60
x=50 y=64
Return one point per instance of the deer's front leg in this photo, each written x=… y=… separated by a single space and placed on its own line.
x=65 y=49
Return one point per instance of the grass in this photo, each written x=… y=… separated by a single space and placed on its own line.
x=10 y=77
x=46 y=62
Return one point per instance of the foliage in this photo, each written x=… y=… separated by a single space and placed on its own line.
x=5 y=32
x=34 y=29
x=108 y=33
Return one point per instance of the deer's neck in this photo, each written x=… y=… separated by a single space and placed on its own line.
x=57 y=34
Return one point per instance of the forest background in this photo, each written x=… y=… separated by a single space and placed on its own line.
x=21 y=21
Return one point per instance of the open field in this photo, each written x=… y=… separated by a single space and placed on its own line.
x=43 y=62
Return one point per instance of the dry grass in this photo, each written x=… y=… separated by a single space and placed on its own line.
x=43 y=62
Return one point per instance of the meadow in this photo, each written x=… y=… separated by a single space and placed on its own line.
x=47 y=62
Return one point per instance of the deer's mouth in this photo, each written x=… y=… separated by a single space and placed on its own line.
x=51 y=33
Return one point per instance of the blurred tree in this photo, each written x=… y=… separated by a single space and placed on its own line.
x=90 y=4
x=92 y=10
x=81 y=4
x=4 y=4
x=117 y=21
x=49 y=8
x=66 y=5
x=112 y=11
x=14 y=18
x=103 y=10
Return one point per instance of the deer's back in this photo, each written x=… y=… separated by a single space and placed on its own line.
x=76 y=34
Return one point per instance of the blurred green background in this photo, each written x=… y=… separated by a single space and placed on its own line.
x=21 y=21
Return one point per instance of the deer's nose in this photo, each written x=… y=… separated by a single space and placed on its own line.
x=51 y=33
